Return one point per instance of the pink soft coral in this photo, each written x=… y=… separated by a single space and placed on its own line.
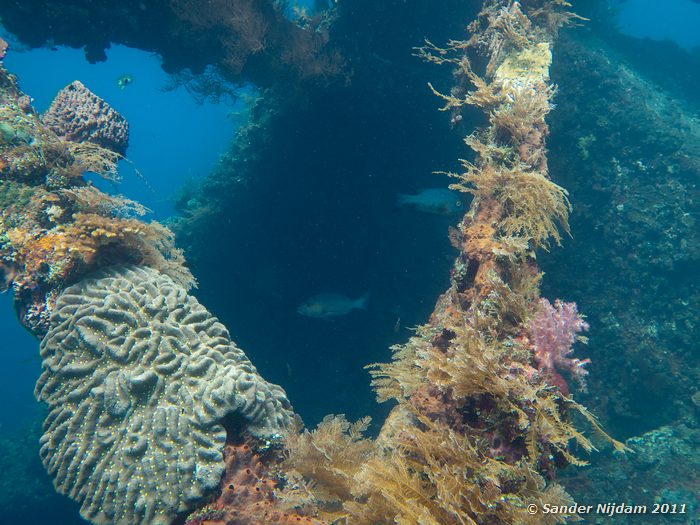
x=553 y=331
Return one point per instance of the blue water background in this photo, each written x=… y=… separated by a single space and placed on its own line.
x=674 y=20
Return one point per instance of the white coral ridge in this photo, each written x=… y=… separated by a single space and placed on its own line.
x=138 y=376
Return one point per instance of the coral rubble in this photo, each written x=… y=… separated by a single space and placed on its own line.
x=25 y=488
x=663 y=471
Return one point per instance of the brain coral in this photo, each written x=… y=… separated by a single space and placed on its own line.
x=138 y=376
x=78 y=115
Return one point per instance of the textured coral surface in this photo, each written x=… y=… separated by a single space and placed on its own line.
x=252 y=37
x=248 y=494
x=138 y=376
x=664 y=469
x=78 y=115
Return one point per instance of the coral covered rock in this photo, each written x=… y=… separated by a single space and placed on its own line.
x=249 y=494
x=628 y=147
x=663 y=471
x=138 y=377
x=78 y=115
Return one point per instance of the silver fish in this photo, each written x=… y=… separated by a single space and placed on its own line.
x=327 y=305
x=438 y=201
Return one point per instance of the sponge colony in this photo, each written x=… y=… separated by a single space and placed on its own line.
x=138 y=376
x=78 y=115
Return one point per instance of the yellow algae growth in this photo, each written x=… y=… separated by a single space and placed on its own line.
x=526 y=65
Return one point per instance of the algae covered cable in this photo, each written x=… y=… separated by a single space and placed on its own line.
x=480 y=425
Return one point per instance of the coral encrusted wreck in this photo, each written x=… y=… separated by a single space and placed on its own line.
x=138 y=376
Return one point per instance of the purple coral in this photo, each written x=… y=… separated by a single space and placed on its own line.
x=553 y=331
x=78 y=115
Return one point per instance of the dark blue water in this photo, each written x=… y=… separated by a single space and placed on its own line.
x=671 y=20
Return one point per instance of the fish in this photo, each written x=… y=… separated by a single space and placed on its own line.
x=328 y=305
x=437 y=201
x=124 y=81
